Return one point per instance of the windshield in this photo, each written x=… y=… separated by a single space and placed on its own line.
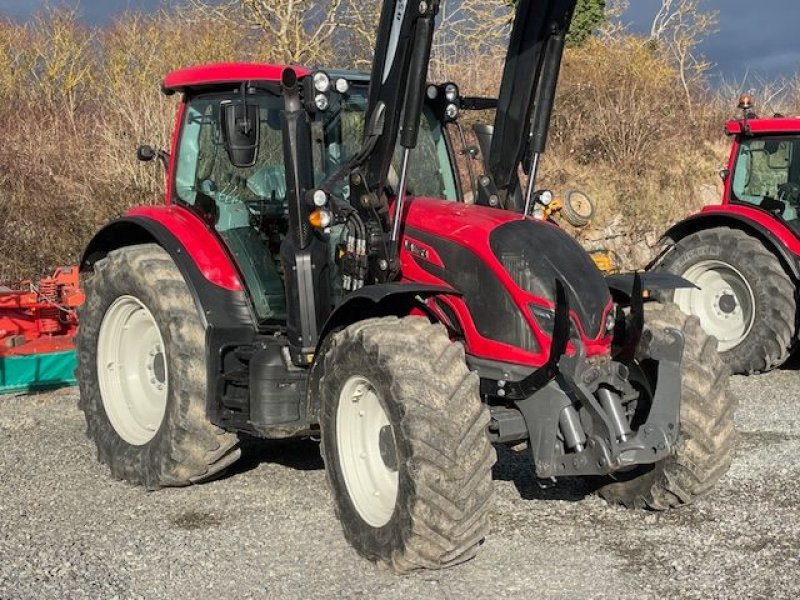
x=247 y=205
x=204 y=169
x=431 y=174
x=767 y=174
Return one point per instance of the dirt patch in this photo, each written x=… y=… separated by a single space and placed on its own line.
x=193 y=519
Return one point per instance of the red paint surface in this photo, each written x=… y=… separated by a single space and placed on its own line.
x=470 y=226
x=218 y=73
x=765 y=126
x=203 y=246
x=786 y=236
x=39 y=317
x=173 y=152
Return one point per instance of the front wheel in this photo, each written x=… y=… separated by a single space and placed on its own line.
x=405 y=446
x=141 y=349
x=706 y=442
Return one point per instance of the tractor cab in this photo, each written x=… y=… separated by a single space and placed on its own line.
x=765 y=167
x=239 y=186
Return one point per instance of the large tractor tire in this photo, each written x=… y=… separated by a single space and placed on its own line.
x=745 y=297
x=706 y=443
x=141 y=357
x=408 y=460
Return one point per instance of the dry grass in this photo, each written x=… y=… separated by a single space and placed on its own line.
x=75 y=102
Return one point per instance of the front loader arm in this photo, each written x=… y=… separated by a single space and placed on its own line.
x=526 y=96
x=397 y=84
x=394 y=108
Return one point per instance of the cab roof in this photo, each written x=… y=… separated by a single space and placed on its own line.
x=766 y=126
x=212 y=74
x=209 y=75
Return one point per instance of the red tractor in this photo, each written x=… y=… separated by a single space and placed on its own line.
x=302 y=281
x=743 y=256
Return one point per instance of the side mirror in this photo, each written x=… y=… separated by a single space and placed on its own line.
x=240 y=131
x=724 y=174
x=145 y=153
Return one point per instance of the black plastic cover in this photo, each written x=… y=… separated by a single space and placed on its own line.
x=491 y=306
x=535 y=254
x=275 y=392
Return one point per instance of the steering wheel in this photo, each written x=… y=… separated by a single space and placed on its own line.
x=789 y=193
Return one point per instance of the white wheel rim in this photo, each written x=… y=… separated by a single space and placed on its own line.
x=362 y=429
x=725 y=302
x=132 y=370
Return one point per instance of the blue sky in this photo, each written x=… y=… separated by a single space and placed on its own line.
x=760 y=37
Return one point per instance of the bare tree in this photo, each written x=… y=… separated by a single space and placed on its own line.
x=614 y=26
x=296 y=31
x=58 y=53
x=771 y=95
x=466 y=31
x=678 y=27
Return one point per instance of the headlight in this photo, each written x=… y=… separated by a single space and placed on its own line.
x=545 y=197
x=320 y=198
x=432 y=92
x=451 y=92
x=611 y=320
x=322 y=82
x=321 y=101
x=342 y=86
x=451 y=112
x=546 y=318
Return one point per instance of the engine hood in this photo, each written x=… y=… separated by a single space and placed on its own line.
x=525 y=255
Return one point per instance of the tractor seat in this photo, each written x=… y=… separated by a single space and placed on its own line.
x=267 y=180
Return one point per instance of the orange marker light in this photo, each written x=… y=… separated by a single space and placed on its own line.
x=320 y=218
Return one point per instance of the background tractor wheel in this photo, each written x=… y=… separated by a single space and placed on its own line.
x=706 y=443
x=578 y=208
x=141 y=348
x=404 y=440
x=746 y=299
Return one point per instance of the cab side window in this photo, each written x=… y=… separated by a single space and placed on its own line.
x=245 y=205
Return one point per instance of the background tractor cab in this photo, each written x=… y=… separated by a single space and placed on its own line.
x=744 y=255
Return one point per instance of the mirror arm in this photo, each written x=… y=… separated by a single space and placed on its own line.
x=469 y=158
x=163 y=156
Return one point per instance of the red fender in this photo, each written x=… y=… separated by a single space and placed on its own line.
x=178 y=230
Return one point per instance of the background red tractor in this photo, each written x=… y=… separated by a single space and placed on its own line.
x=744 y=255
x=301 y=280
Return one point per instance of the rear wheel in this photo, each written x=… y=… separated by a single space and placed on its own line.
x=744 y=297
x=141 y=348
x=706 y=443
x=405 y=445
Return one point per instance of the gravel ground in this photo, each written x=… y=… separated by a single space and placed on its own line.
x=67 y=530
